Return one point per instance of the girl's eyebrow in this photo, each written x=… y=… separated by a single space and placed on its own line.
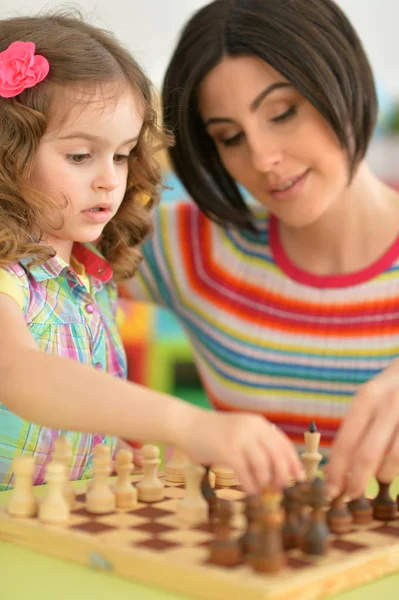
x=93 y=138
x=254 y=104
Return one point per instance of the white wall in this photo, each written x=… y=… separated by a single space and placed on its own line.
x=150 y=27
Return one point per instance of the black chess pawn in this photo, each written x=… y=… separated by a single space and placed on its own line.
x=303 y=509
x=250 y=540
x=269 y=557
x=292 y=524
x=384 y=507
x=315 y=537
x=225 y=550
x=362 y=511
x=339 y=517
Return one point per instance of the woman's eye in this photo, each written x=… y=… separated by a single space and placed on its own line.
x=120 y=158
x=285 y=115
x=77 y=158
x=232 y=141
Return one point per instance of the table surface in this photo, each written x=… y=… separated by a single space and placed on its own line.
x=27 y=574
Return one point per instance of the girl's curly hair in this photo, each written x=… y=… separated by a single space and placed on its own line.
x=84 y=57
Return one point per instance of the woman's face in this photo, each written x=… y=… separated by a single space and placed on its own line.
x=272 y=140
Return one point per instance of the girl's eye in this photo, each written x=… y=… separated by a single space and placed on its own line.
x=285 y=115
x=77 y=158
x=120 y=158
x=234 y=140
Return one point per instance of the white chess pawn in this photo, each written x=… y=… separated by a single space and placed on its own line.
x=100 y=450
x=54 y=508
x=100 y=499
x=224 y=476
x=63 y=454
x=193 y=508
x=311 y=458
x=22 y=502
x=174 y=470
x=125 y=493
x=150 y=488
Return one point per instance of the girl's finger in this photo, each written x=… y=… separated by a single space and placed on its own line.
x=243 y=470
x=292 y=458
x=260 y=465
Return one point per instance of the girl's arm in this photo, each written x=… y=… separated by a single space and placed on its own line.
x=61 y=393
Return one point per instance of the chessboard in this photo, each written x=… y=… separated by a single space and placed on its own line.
x=149 y=544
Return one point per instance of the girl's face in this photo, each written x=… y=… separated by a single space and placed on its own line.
x=83 y=166
x=272 y=140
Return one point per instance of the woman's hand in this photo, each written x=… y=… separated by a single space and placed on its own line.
x=368 y=441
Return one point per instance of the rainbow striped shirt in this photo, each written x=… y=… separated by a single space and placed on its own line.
x=69 y=312
x=267 y=336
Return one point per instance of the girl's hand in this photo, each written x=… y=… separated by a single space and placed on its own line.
x=137 y=456
x=368 y=441
x=258 y=452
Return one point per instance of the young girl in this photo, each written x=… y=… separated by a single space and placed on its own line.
x=77 y=126
x=290 y=302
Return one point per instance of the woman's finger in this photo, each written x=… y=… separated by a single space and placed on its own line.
x=352 y=432
x=373 y=448
x=389 y=466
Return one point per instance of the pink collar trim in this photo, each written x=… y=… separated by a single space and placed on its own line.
x=328 y=281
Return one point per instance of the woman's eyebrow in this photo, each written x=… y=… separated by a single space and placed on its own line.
x=254 y=104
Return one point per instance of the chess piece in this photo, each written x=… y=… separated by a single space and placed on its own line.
x=125 y=493
x=362 y=511
x=293 y=523
x=339 y=517
x=103 y=450
x=211 y=478
x=209 y=494
x=174 y=470
x=100 y=499
x=315 y=537
x=224 y=477
x=303 y=510
x=22 y=502
x=193 y=507
x=384 y=508
x=150 y=488
x=55 y=508
x=250 y=540
x=62 y=454
x=224 y=550
x=269 y=556
x=311 y=458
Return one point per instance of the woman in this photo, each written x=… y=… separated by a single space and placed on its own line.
x=289 y=296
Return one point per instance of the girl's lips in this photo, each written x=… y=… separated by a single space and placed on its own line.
x=291 y=191
x=98 y=216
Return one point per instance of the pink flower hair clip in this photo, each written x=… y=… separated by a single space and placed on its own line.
x=20 y=68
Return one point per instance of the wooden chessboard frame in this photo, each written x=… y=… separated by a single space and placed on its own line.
x=176 y=571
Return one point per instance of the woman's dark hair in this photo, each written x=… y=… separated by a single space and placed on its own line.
x=310 y=42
